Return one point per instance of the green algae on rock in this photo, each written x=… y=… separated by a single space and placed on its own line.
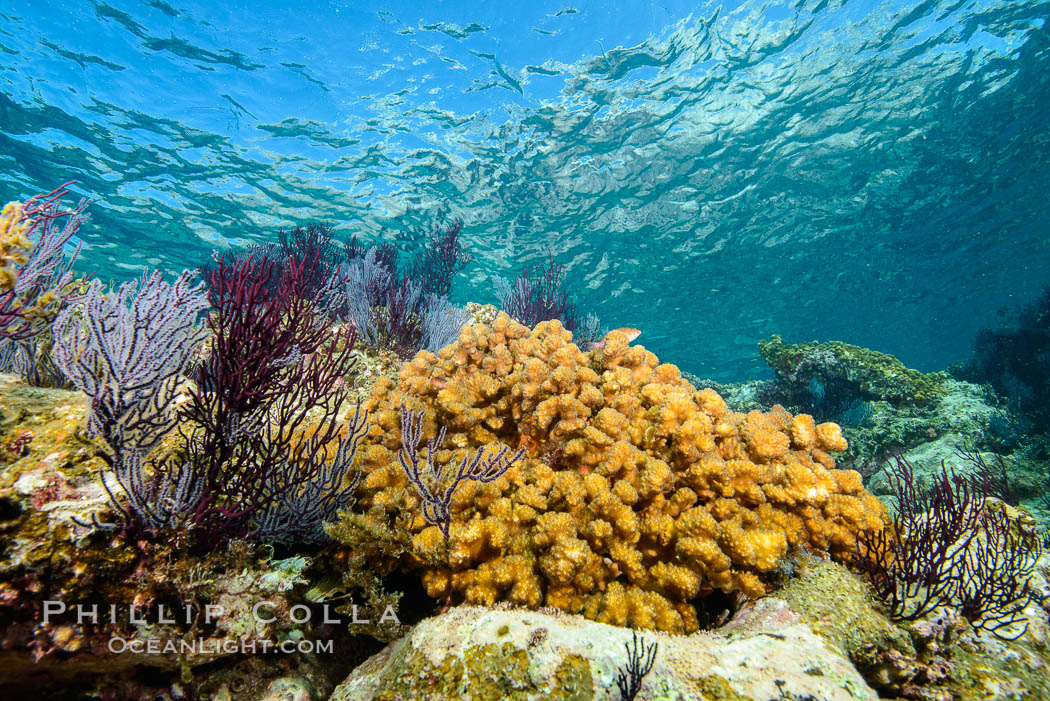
x=877 y=375
x=938 y=657
x=837 y=605
x=483 y=653
x=926 y=435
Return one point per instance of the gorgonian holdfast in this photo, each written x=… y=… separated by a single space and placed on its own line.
x=947 y=546
x=434 y=484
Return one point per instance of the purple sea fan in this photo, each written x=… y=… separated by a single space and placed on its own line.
x=442 y=258
x=46 y=269
x=127 y=351
x=948 y=547
x=298 y=514
x=912 y=565
x=117 y=348
x=434 y=483
x=389 y=311
x=442 y=321
x=538 y=295
x=368 y=285
x=309 y=251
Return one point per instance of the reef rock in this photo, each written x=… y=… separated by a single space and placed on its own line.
x=937 y=658
x=478 y=653
x=875 y=375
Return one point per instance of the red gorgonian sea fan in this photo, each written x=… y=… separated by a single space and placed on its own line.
x=265 y=409
x=29 y=304
x=947 y=546
x=261 y=423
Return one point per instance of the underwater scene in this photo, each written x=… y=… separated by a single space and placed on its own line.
x=381 y=351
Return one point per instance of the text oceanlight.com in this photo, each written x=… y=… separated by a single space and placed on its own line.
x=202 y=646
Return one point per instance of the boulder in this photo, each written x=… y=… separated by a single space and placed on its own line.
x=480 y=653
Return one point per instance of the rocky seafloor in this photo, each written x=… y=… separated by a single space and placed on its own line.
x=819 y=634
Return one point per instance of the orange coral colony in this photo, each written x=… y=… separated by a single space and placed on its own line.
x=638 y=493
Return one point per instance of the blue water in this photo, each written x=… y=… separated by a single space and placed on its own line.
x=874 y=172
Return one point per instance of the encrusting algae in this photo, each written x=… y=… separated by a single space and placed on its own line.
x=638 y=493
x=874 y=375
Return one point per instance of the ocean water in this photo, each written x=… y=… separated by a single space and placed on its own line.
x=711 y=173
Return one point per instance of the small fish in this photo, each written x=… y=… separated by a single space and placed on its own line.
x=631 y=335
x=440 y=384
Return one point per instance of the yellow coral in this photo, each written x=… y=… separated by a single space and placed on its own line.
x=829 y=438
x=13 y=243
x=638 y=493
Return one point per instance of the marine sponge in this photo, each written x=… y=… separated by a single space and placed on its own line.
x=637 y=495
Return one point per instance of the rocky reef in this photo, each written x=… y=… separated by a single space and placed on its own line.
x=149 y=597
x=640 y=501
x=876 y=375
x=885 y=408
x=495 y=653
x=819 y=637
